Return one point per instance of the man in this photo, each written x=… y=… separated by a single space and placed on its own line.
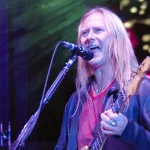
x=90 y=107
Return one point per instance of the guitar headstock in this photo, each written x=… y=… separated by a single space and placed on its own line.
x=142 y=70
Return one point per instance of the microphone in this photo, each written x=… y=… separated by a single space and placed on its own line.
x=86 y=54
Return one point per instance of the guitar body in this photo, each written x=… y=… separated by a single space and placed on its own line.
x=119 y=106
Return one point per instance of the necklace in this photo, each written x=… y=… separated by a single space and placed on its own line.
x=97 y=90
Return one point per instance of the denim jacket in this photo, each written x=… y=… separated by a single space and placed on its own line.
x=136 y=135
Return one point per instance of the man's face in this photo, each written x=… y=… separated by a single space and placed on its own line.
x=94 y=35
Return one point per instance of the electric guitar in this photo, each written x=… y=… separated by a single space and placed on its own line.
x=99 y=138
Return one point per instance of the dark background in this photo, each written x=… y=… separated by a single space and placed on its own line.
x=29 y=32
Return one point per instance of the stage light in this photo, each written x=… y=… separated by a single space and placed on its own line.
x=124 y=3
x=141 y=0
x=144 y=6
x=133 y=10
x=147 y=21
x=128 y=24
x=141 y=12
x=146 y=47
x=146 y=37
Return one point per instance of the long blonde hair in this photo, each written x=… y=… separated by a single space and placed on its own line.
x=121 y=55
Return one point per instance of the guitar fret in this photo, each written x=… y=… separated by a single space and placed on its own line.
x=97 y=141
x=100 y=138
x=95 y=146
x=102 y=135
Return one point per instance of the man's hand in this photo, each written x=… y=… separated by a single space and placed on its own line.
x=113 y=123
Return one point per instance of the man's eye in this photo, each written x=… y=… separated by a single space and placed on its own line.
x=98 y=30
x=84 y=33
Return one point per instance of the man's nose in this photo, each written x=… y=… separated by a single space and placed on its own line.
x=91 y=35
x=90 y=38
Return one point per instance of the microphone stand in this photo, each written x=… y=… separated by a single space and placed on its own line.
x=27 y=129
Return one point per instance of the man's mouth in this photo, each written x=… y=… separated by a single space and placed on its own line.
x=94 y=48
